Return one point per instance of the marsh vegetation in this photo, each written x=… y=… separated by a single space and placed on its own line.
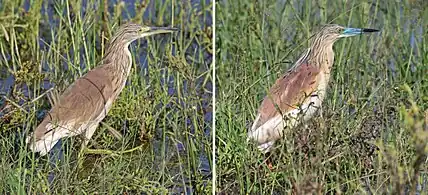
x=164 y=111
x=371 y=134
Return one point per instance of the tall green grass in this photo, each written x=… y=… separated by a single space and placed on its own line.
x=371 y=134
x=145 y=114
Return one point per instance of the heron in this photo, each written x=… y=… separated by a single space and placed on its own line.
x=85 y=103
x=298 y=94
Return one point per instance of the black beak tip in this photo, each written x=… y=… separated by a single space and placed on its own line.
x=370 y=30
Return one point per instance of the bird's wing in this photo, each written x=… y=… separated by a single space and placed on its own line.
x=83 y=101
x=288 y=92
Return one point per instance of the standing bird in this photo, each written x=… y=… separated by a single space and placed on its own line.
x=297 y=95
x=86 y=102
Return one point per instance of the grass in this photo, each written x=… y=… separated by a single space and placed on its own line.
x=371 y=135
x=164 y=109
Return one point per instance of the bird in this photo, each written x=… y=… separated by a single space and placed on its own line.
x=298 y=94
x=85 y=103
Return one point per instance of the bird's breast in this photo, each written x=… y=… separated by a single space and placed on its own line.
x=321 y=89
x=315 y=100
x=124 y=71
x=127 y=69
x=119 y=77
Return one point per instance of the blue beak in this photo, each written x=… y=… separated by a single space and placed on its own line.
x=162 y=29
x=348 y=32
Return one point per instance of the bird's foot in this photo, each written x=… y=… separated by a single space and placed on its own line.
x=112 y=152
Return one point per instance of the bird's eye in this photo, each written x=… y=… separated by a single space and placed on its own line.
x=144 y=29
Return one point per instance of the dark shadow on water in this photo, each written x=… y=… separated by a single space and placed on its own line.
x=56 y=156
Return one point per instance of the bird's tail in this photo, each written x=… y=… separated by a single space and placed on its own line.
x=45 y=143
x=43 y=146
x=267 y=133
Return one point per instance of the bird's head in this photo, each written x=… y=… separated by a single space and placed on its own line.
x=131 y=31
x=332 y=32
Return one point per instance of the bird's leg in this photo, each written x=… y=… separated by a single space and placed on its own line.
x=88 y=134
x=269 y=161
x=320 y=110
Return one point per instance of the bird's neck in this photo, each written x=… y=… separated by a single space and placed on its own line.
x=321 y=55
x=118 y=62
x=118 y=57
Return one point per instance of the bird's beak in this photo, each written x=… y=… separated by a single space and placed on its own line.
x=348 y=32
x=158 y=30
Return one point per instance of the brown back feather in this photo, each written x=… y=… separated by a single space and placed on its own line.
x=83 y=101
x=289 y=91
